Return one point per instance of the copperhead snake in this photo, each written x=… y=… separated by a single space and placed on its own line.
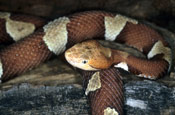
x=104 y=87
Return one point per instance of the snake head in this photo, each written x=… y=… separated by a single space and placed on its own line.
x=89 y=55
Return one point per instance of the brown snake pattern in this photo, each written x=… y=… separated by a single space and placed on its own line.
x=64 y=32
x=109 y=98
x=14 y=27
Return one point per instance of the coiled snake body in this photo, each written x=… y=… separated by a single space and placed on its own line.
x=104 y=87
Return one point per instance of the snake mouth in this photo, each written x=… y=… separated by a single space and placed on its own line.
x=93 y=68
x=80 y=65
x=77 y=62
x=86 y=67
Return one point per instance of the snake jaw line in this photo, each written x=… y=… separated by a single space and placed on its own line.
x=77 y=61
x=91 y=51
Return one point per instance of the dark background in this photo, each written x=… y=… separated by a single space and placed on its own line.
x=160 y=12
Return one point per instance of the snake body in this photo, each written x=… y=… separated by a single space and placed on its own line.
x=14 y=27
x=90 y=55
x=108 y=99
x=64 y=32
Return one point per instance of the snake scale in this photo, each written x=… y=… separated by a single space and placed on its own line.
x=102 y=80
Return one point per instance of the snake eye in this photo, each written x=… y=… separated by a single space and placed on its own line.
x=84 y=61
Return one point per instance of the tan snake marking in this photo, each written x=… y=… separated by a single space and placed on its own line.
x=106 y=96
x=14 y=27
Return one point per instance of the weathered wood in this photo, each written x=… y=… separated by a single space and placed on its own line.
x=52 y=73
x=26 y=99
